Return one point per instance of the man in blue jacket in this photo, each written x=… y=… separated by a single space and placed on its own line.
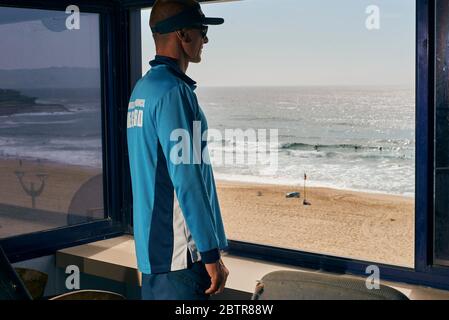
x=178 y=228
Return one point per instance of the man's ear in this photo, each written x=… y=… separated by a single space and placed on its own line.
x=183 y=36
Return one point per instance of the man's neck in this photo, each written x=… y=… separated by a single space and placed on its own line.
x=183 y=63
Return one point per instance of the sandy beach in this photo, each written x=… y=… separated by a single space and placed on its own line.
x=366 y=226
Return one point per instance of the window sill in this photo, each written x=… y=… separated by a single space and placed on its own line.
x=115 y=259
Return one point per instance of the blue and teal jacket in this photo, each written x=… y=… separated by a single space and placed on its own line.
x=175 y=205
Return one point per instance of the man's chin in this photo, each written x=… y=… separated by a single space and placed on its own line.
x=196 y=59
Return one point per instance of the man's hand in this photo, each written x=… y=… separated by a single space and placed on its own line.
x=218 y=275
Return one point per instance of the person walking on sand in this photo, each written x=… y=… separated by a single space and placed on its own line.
x=178 y=228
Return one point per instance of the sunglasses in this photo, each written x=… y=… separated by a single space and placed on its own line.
x=203 y=29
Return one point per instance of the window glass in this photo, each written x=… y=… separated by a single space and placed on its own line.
x=50 y=120
x=337 y=83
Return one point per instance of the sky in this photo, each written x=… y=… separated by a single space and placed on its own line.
x=43 y=41
x=303 y=42
x=262 y=43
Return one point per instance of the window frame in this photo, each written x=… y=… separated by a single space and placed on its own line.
x=437 y=100
x=118 y=76
x=426 y=271
x=46 y=242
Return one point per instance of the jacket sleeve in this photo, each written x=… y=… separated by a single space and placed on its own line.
x=175 y=114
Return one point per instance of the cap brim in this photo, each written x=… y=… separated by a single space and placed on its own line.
x=213 y=21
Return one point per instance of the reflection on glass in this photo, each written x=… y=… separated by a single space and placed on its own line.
x=50 y=121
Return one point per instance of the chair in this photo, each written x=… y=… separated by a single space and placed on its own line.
x=89 y=295
x=11 y=286
x=35 y=281
x=297 y=285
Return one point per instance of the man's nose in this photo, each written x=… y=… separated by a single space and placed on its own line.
x=205 y=39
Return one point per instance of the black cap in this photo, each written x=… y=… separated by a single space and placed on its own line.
x=187 y=18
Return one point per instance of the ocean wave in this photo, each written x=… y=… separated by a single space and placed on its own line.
x=13 y=124
x=57 y=113
x=306 y=146
x=91 y=158
x=384 y=145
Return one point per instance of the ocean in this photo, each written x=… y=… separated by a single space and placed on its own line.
x=355 y=138
x=72 y=137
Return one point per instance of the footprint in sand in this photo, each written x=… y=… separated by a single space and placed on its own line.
x=342 y=196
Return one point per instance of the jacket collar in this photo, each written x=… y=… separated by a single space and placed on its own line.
x=174 y=67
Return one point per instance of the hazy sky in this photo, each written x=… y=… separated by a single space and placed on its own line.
x=43 y=41
x=303 y=42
